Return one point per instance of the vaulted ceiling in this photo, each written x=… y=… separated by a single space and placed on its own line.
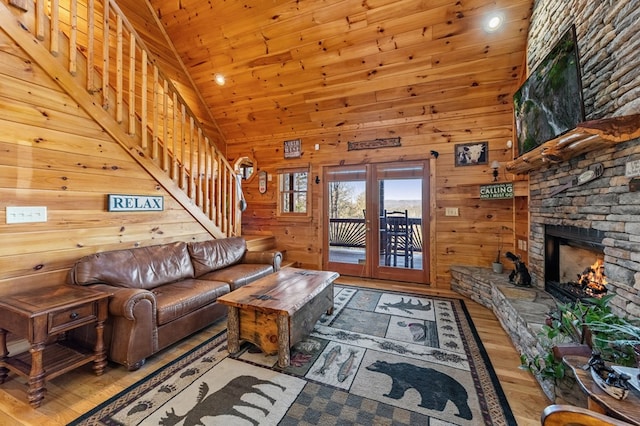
x=308 y=66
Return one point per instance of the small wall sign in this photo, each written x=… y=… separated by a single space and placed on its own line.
x=135 y=203
x=262 y=182
x=632 y=169
x=496 y=191
x=292 y=148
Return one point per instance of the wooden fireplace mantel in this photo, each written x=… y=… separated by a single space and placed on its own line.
x=586 y=137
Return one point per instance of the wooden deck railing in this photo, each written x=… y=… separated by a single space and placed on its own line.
x=352 y=233
x=94 y=38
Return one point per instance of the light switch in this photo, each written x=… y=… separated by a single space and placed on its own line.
x=451 y=211
x=26 y=214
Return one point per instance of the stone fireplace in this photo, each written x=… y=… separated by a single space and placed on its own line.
x=602 y=216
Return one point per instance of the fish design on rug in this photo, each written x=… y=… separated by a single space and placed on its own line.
x=407 y=306
x=222 y=402
x=329 y=358
x=347 y=366
x=430 y=384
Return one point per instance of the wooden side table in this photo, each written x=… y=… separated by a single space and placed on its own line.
x=598 y=400
x=42 y=316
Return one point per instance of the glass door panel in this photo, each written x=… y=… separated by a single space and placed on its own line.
x=346 y=228
x=401 y=201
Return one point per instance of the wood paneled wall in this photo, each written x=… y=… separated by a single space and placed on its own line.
x=472 y=238
x=52 y=154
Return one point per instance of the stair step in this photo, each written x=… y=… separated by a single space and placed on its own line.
x=260 y=242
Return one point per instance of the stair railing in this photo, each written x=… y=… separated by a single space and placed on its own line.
x=125 y=77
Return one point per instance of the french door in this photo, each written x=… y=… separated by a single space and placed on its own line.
x=374 y=220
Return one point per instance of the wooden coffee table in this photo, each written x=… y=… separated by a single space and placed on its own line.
x=277 y=311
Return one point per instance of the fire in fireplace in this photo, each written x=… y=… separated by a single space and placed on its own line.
x=567 y=250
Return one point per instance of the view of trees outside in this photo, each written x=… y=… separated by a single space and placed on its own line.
x=347 y=198
x=293 y=190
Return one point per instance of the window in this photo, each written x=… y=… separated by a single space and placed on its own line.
x=293 y=193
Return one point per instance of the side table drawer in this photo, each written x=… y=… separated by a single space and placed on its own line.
x=70 y=318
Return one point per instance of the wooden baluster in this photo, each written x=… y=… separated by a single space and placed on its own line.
x=73 y=38
x=213 y=214
x=132 y=84
x=218 y=191
x=199 y=168
x=105 y=55
x=165 y=141
x=40 y=19
x=90 y=45
x=183 y=143
x=207 y=178
x=144 y=95
x=191 y=159
x=175 y=164
x=54 y=47
x=154 y=125
x=119 y=77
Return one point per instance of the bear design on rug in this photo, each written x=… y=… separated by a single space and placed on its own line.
x=435 y=388
x=222 y=402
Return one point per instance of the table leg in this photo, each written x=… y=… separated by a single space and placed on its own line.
x=36 y=376
x=284 y=350
x=4 y=353
x=100 y=360
x=233 y=329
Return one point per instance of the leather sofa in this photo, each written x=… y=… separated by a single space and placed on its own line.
x=161 y=294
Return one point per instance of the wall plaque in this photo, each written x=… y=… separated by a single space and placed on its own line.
x=632 y=169
x=496 y=191
x=376 y=143
x=292 y=148
x=135 y=203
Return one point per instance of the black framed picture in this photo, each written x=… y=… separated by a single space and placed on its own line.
x=471 y=154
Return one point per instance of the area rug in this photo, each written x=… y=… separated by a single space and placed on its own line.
x=381 y=358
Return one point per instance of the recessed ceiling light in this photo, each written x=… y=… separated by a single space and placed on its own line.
x=219 y=79
x=494 y=21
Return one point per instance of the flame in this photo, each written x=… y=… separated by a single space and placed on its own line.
x=593 y=279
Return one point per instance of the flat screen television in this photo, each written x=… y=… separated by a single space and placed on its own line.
x=550 y=102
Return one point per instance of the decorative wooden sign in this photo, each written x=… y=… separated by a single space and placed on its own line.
x=373 y=144
x=262 y=182
x=292 y=148
x=135 y=203
x=496 y=191
x=632 y=169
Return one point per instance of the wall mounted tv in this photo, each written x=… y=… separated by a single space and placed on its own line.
x=550 y=102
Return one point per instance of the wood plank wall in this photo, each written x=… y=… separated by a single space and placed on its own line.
x=52 y=154
x=472 y=238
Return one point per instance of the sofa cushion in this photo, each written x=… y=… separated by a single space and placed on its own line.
x=177 y=299
x=240 y=274
x=212 y=255
x=142 y=267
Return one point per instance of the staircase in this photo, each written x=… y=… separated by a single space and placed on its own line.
x=120 y=86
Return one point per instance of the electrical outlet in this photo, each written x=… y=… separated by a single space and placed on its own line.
x=26 y=214
x=451 y=211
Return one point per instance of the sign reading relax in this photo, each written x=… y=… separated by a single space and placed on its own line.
x=135 y=203
x=496 y=191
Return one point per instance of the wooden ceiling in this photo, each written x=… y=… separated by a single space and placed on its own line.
x=312 y=66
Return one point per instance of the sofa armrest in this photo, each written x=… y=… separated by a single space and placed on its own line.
x=268 y=257
x=132 y=316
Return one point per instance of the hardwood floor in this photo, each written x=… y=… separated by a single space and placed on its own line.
x=76 y=392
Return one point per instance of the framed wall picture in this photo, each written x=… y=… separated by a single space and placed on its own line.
x=471 y=154
x=293 y=148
